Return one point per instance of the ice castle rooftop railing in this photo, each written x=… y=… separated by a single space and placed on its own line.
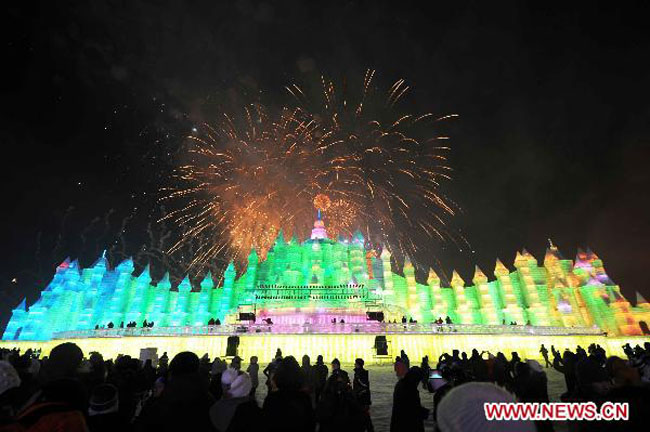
x=339 y=328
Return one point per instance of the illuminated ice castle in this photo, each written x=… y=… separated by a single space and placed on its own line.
x=322 y=278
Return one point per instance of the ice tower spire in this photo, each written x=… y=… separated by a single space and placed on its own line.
x=319 y=232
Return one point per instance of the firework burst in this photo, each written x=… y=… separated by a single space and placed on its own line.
x=356 y=156
x=247 y=179
x=383 y=166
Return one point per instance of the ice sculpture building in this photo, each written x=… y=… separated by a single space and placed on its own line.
x=322 y=278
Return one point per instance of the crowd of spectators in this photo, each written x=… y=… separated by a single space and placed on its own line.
x=67 y=392
x=590 y=376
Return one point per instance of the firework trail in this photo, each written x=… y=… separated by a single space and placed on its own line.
x=56 y=251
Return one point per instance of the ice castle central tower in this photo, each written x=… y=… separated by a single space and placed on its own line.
x=313 y=280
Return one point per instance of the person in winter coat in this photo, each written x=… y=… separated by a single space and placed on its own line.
x=62 y=400
x=254 y=370
x=320 y=377
x=408 y=413
x=184 y=403
x=236 y=397
x=288 y=409
x=361 y=389
x=103 y=410
x=338 y=409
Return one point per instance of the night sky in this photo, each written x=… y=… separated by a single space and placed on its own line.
x=552 y=139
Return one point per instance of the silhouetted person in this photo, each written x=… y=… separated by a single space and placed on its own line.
x=288 y=409
x=592 y=378
x=454 y=375
x=405 y=359
x=235 y=363
x=567 y=365
x=628 y=387
x=464 y=361
x=163 y=361
x=103 y=411
x=544 y=352
x=338 y=409
x=361 y=389
x=236 y=411
x=408 y=413
x=253 y=370
x=320 y=377
x=62 y=401
x=500 y=369
x=478 y=366
x=426 y=370
x=307 y=374
x=336 y=369
x=270 y=369
x=530 y=385
x=399 y=367
x=184 y=403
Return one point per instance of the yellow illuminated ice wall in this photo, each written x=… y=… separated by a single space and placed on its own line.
x=344 y=347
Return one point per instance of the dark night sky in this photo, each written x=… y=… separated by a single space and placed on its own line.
x=552 y=139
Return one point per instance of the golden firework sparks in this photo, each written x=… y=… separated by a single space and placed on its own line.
x=359 y=157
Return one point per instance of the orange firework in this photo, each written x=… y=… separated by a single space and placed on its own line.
x=356 y=156
x=322 y=202
x=340 y=218
x=383 y=165
x=247 y=178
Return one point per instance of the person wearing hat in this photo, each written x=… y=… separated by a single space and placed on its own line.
x=9 y=383
x=8 y=377
x=237 y=388
x=462 y=410
x=103 y=410
x=227 y=378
